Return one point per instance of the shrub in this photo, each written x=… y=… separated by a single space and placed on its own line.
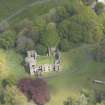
x=41 y=49
x=37 y=90
x=7 y=39
x=99 y=8
x=23 y=44
x=64 y=45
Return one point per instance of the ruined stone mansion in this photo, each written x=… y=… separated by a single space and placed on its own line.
x=31 y=62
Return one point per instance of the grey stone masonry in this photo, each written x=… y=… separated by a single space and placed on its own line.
x=31 y=62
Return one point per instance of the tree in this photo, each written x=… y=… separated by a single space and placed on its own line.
x=57 y=14
x=89 y=2
x=99 y=8
x=25 y=23
x=73 y=7
x=27 y=31
x=102 y=103
x=35 y=89
x=4 y=26
x=7 y=39
x=3 y=71
x=23 y=44
x=68 y=101
x=30 y=31
x=41 y=49
x=82 y=100
x=50 y=38
x=102 y=20
x=64 y=45
x=40 y=23
x=12 y=96
x=82 y=28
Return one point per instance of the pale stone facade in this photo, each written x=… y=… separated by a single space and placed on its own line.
x=31 y=61
x=102 y=1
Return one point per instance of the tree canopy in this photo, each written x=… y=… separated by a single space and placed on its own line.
x=50 y=38
x=35 y=89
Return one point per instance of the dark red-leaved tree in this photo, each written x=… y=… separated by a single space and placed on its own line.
x=35 y=89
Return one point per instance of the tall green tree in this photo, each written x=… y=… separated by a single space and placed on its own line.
x=50 y=37
x=84 y=27
x=24 y=43
x=100 y=8
x=12 y=96
x=7 y=39
x=102 y=19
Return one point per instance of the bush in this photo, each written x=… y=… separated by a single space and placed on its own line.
x=99 y=52
x=41 y=49
x=82 y=28
x=64 y=45
x=37 y=90
x=7 y=39
x=99 y=8
x=23 y=44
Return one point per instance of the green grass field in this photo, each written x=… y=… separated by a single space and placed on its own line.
x=80 y=71
x=45 y=60
x=9 y=7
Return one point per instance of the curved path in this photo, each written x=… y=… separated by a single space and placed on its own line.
x=23 y=9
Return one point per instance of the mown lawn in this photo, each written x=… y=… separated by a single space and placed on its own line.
x=45 y=60
x=80 y=72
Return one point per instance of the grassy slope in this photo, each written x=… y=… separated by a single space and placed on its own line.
x=37 y=10
x=9 y=7
x=10 y=62
x=80 y=74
